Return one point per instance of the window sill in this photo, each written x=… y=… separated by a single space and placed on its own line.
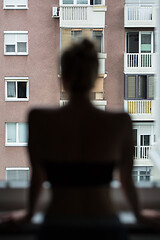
x=16 y=54
x=15 y=8
x=16 y=144
x=17 y=100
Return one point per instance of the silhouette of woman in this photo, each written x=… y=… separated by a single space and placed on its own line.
x=76 y=148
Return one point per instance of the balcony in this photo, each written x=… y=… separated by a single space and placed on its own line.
x=101 y=57
x=139 y=63
x=140 y=109
x=82 y=16
x=141 y=152
x=139 y=16
x=142 y=156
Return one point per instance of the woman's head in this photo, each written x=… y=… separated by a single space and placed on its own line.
x=79 y=67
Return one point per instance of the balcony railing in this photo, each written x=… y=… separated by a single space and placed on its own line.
x=141 y=62
x=139 y=16
x=82 y=16
x=141 y=109
x=141 y=152
x=139 y=106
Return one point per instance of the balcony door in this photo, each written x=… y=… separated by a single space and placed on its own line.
x=139 y=42
x=143 y=134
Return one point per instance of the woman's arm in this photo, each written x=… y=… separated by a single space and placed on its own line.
x=38 y=175
x=126 y=167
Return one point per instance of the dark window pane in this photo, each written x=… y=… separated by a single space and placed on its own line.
x=10 y=48
x=145 y=140
x=133 y=42
x=135 y=137
x=97 y=38
x=142 y=87
x=22 y=90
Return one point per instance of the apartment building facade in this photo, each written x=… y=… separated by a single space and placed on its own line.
x=32 y=35
x=139 y=71
x=29 y=46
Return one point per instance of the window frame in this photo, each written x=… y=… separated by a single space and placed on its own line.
x=16 y=53
x=139 y=38
x=136 y=88
x=15 y=6
x=17 y=143
x=102 y=38
x=17 y=79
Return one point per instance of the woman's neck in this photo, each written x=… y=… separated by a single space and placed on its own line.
x=79 y=99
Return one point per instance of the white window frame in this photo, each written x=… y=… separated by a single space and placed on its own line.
x=17 y=79
x=15 y=43
x=140 y=34
x=17 y=143
x=16 y=168
x=143 y=168
x=15 y=6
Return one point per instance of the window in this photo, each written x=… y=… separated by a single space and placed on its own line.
x=142 y=174
x=16 y=43
x=15 y=4
x=16 y=134
x=139 y=42
x=16 y=89
x=143 y=134
x=76 y=35
x=98 y=39
x=17 y=174
x=139 y=87
x=85 y=2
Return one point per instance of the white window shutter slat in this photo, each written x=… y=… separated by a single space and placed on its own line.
x=10 y=38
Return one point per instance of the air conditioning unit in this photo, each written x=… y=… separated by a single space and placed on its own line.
x=55 y=12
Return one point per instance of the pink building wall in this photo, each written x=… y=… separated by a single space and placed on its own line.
x=40 y=66
x=115 y=47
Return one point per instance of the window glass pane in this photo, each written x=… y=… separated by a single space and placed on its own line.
x=23 y=132
x=82 y=1
x=135 y=136
x=133 y=42
x=96 y=2
x=10 y=48
x=67 y=1
x=142 y=90
x=22 y=89
x=76 y=35
x=22 y=47
x=11 y=89
x=17 y=175
x=145 y=140
x=11 y=132
x=146 y=42
x=151 y=87
x=97 y=38
x=131 y=86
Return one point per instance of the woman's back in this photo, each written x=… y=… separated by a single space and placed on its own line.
x=82 y=148
x=78 y=133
